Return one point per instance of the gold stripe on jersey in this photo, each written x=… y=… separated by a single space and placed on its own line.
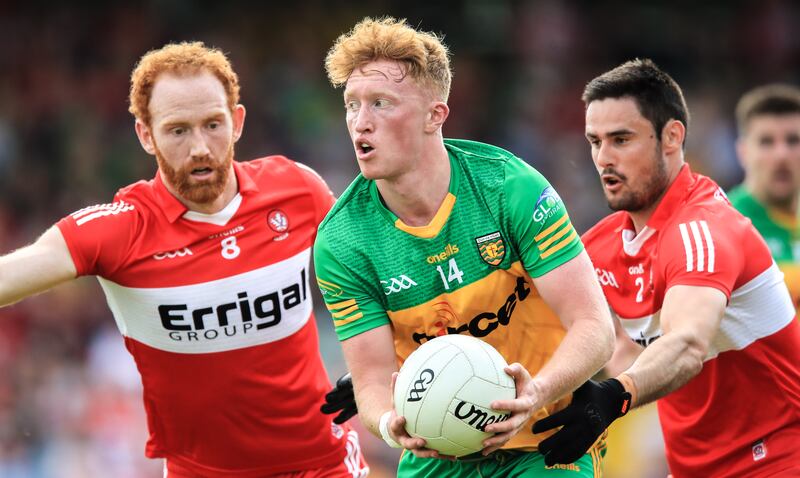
x=340 y=305
x=554 y=238
x=436 y=224
x=550 y=229
x=345 y=312
x=344 y=309
x=339 y=323
x=559 y=246
x=503 y=309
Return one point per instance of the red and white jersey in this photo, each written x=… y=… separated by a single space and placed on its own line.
x=216 y=311
x=741 y=415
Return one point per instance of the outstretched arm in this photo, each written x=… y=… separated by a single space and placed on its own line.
x=690 y=318
x=35 y=268
x=572 y=291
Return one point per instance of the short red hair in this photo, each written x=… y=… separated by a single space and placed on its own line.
x=179 y=58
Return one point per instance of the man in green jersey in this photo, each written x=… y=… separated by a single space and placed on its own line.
x=442 y=237
x=768 y=119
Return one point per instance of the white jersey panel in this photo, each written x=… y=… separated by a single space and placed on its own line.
x=244 y=310
x=756 y=310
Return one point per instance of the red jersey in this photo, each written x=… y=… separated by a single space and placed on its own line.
x=216 y=311
x=741 y=415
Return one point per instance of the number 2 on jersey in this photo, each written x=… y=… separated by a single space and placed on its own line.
x=640 y=294
x=454 y=273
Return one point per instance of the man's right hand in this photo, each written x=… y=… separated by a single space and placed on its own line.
x=341 y=399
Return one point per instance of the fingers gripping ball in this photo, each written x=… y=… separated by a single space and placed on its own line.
x=444 y=390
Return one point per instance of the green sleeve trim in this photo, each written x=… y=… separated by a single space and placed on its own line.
x=352 y=309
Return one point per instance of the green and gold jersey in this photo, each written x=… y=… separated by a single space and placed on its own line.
x=781 y=233
x=467 y=272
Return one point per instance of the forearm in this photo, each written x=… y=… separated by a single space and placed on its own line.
x=625 y=353
x=35 y=268
x=584 y=350
x=373 y=400
x=664 y=366
x=370 y=356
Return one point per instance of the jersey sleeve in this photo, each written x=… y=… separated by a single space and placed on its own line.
x=323 y=197
x=353 y=309
x=99 y=237
x=538 y=220
x=702 y=249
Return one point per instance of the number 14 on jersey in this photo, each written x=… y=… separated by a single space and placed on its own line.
x=453 y=274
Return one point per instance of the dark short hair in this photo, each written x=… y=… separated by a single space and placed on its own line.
x=657 y=95
x=775 y=99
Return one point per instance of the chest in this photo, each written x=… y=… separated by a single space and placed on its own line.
x=189 y=251
x=631 y=280
x=409 y=270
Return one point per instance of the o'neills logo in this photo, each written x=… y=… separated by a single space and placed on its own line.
x=246 y=314
x=477 y=417
x=449 y=250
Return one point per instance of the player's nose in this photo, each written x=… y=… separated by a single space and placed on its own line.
x=363 y=121
x=199 y=145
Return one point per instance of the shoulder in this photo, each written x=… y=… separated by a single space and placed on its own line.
x=132 y=203
x=604 y=230
x=477 y=150
x=709 y=204
x=350 y=205
x=274 y=167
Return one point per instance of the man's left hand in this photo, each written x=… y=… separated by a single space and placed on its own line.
x=341 y=399
x=521 y=409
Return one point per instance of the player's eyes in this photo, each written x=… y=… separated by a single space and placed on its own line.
x=380 y=103
x=178 y=131
x=793 y=140
x=766 y=141
x=351 y=106
x=213 y=125
x=621 y=140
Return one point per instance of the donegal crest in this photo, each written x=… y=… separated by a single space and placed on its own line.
x=491 y=248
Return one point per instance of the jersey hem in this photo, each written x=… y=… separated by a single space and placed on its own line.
x=333 y=458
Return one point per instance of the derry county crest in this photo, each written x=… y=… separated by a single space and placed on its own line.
x=278 y=221
x=491 y=248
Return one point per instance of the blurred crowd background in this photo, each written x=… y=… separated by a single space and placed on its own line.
x=70 y=397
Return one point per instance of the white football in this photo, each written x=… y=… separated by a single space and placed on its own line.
x=444 y=390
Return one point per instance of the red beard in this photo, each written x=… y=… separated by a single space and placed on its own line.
x=192 y=190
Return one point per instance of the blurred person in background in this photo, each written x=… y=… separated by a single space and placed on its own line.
x=705 y=324
x=205 y=268
x=768 y=119
x=450 y=236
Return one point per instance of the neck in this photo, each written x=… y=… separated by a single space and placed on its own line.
x=415 y=196
x=214 y=206
x=640 y=218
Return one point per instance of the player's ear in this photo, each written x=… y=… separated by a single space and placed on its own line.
x=238 y=121
x=437 y=115
x=145 y=137
x=672 y=136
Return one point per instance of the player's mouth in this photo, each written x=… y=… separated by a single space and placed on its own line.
x=611 y=182
x=202 y=173
x=364 y=149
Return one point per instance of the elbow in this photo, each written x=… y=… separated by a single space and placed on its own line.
x=694 y=355
x=608 y=340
